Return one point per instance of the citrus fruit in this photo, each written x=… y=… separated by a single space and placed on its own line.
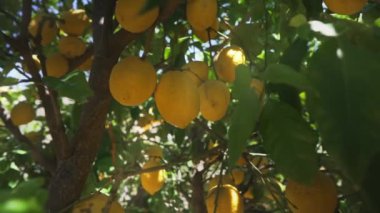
x=214 y=99
x=96 y=204
x=205 y=35
x=87 y=64
x=74 y=22
x=197 y=71
x=131 y=15
x=34 y=136
x=177 y=98
x=22 y=113
x=213 y=182
x=48 y=31
x=319 y=197
x=153 y=181
x=345 y=7
x=201 y=14
x=226 y=198
x=154 y=151
x=237 y=176
x=56 y=65
x=249 y=194
x=226 y=62
x=132 y=81
x=71 y=47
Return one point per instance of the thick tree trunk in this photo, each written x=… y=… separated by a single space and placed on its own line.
x=197 y=198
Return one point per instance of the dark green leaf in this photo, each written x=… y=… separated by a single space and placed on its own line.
x=289 y=140
x=280 y=73
x=245 y=115
x=73 y=86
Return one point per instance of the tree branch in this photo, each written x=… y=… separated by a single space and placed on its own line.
x=36 y=153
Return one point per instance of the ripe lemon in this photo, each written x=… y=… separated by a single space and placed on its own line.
x=48 y=31
x=71 y=47
x=177 y=99
x=214 y=99
x=227 y=199
x=345 y=7
x=152 y=182
x=36 y=62
x=22 y=113
x=201 y=14
x=197 y=71
x=237 y=176
x=205 y=35
x=95 y=204
x=226 y=62
x=87 y=64
x=131 y=15
x=319 y=197
x=248 y=194
x=154 y=151
x=56 y=65
x=213 y=182
x=74 y=22
x=132 y=81
x=241 y=161
x=258 y=85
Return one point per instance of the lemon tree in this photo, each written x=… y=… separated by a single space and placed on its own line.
x=189 y=106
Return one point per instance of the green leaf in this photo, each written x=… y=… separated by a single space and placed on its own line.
x=249 y=37
x=245 y=115
x=289 y=141
x=345 y=73
x=281 y=73
x=73 y=86
x=8 y=81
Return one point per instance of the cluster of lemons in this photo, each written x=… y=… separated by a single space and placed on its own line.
x=73 y=24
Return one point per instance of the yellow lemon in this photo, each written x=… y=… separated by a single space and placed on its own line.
x=226 y=198
x=71 y=47
x=56 y=65
x=131 y=15
x=48 y=31
x=205 y=35
x=177 y=99
x=132 y=81
x=74 y=22
x=238 y=176
x=22 y=113
x=154 y=151
x=226 y=62
x=345 y=7
x=96 y=204
x=197 y=71
x=201 y=14
x=213 y=182
x=319 y=197
x=249 y=194
x=214 y=99
x=152 y=182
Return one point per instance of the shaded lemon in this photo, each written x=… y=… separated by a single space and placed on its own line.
x=56 y=65
x=345 y=7
x=74 y=22
x=131 y=15
x=71 y=47
x=201 y=14
x=224 y=199
x=48 y=31
x=177 y=99
x=154 y=151
x=22 y=113
x=319 y=197
x=197 y=71
x=132 y=81
x=153 y=181
x=214 y=99
x=209 y=33
x=237 y=176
